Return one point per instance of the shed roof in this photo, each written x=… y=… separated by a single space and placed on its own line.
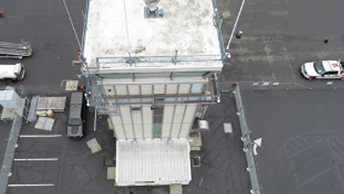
x=153 y=160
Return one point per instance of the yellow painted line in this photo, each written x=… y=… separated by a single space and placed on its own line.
x=303 y=86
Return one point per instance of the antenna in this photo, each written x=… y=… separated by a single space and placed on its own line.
x=126 y=25
x=71 y=23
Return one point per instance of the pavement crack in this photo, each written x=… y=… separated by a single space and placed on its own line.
x=288 y=59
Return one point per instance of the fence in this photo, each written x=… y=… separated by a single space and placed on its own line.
x=12 y=139
x=248 y=144
x=9 y=153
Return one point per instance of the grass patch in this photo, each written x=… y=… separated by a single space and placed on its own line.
x=149 y=189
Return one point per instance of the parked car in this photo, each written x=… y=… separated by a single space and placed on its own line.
x=326 y=69
x=76 y=115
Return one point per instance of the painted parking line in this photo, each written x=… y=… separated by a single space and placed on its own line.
x=35 y=159
x=57 y=135
x=31 y=185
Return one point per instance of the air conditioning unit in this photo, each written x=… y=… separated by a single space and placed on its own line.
x=203 y=126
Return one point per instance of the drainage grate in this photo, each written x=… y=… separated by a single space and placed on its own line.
x=196 y=161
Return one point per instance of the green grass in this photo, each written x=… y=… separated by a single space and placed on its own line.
x=149 y=189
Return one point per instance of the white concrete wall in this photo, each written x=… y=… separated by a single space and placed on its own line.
x=147 y=122
x=189 y=117
x=127 y=121
x=177 y=121
x=172 y=89
x=118 y=127
x=147 y=89
x=134 y=89
x=167 y=121
x=137 y=122
x=121 y=90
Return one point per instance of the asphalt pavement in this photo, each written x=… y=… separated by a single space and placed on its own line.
x=46 y=26
x=302 y=138
x=265 y=52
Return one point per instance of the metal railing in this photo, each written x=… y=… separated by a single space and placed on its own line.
x=9 y=153
x=85 y=16
x=219 y=31
x=248 y=144
x=137 y=60
x=97 y=97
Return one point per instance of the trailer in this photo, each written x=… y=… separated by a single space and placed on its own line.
x=15 y=50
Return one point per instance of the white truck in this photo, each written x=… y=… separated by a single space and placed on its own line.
x=13 y=72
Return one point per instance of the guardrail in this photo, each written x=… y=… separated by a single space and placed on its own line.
x=248 y=144
x=9 y=153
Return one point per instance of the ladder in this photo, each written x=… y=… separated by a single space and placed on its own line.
x=15 y=50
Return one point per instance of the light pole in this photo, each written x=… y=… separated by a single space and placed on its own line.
x=228 y=54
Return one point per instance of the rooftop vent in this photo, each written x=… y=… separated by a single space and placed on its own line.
x=152 y=10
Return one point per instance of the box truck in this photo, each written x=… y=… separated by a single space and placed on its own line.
x=13 y=72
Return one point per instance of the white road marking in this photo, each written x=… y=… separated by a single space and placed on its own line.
x=30 y=185
x=35 y=159
x=57 y=135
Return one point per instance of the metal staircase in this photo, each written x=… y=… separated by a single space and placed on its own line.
x=97 y=96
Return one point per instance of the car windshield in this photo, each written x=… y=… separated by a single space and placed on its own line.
x=74 y=121
x=319 y=68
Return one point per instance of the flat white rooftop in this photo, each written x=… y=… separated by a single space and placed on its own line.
x=153 y=162
x=187 y=26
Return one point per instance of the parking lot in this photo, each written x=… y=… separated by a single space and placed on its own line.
x=49 y=162
x=302 y=138
x=50 y=34
x=265 y=52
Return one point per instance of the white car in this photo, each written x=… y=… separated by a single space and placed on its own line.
x=326 y=69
